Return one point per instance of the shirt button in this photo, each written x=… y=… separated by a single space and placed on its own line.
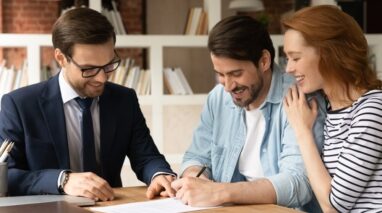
x=264 y=150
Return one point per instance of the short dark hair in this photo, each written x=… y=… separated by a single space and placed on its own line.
x=81 y=26
x=241 y=38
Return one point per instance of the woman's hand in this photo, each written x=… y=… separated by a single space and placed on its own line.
x=301 y=114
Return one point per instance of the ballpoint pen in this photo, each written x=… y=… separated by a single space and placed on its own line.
x=201 y=171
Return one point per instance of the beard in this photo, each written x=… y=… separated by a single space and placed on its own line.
x=254 y=92
x=85 y=90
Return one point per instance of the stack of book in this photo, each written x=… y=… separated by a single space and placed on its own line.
x=114 y=18
x=197 y=22
x=175 y=82
x=11 y=78
x=110 y=11
x=132 y=76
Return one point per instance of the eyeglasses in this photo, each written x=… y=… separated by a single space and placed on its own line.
x=90 y=71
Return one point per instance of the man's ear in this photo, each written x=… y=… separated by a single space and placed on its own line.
x=60 y=57
x=265 y=60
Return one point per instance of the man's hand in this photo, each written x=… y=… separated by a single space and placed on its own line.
x=199 y=192
x=161 y=185
x=88 y=184
x=192 y=171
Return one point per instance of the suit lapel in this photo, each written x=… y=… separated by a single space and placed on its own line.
x=53 y=112
x=107 y=123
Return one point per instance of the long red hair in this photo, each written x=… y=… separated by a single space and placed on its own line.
x=341 y=44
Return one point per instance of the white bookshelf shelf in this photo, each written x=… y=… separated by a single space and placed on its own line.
x=158 y=103
x=155 y=44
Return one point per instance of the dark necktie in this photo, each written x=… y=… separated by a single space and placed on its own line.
x=88 y=148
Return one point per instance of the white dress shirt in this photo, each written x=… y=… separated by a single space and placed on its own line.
x=73 y=118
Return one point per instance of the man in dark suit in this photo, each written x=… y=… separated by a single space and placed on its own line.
x=61 y=149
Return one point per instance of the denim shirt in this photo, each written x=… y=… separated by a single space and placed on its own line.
x=220 y=137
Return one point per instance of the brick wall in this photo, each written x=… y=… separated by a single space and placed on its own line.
x=23 y=16
x=38 y=16
x=132 y=13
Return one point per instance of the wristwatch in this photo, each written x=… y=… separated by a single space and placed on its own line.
x=63 y=180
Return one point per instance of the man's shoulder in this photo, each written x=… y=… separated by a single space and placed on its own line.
x=30 y=91
x=26 y=97
x=218 y=92
x=117 y=87
x=219 y=95
x=117 y=91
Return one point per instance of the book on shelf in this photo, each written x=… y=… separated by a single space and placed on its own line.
x=197 y=22
x=11 y=78
x=118 y=18
x=20 y=78
x=146 y=86
x=132 y=76
x=143 y=85
x=5 y=82
x=114 y=17
x=202 y=28
x=119 y=76
x=185 y=85
x=136 y=71
x=175 y=81
x=109 y=10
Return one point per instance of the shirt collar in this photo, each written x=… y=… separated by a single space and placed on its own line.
x=276 y=91
x=67 y=91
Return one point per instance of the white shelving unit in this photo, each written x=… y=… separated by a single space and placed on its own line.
x=33 y=44
x=155 y=44
x=157 y=101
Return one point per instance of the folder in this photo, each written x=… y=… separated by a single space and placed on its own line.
x=34 y=199
x=59 y=206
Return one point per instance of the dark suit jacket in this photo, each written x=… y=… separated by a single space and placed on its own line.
x=33 y=117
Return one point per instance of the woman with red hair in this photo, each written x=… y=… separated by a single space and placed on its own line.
x=327 y=51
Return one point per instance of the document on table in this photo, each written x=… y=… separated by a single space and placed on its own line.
x=167 y=205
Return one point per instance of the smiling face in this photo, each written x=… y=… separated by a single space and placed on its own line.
x=302 y=62
x=246 y=83
x=87 y=55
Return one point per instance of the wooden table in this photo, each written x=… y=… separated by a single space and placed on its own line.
x=137 y=194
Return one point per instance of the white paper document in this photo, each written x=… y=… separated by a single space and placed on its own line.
x=167 y=205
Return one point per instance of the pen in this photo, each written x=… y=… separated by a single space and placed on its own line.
x=201 y=171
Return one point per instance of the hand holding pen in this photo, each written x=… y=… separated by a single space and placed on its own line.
x=201 y=171
x=5 y=148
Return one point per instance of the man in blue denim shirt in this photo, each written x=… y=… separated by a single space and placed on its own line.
x=244 y=138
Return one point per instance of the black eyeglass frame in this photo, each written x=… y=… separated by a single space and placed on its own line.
x=86 y=69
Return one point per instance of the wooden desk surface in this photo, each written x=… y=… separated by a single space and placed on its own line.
x=137 y=194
